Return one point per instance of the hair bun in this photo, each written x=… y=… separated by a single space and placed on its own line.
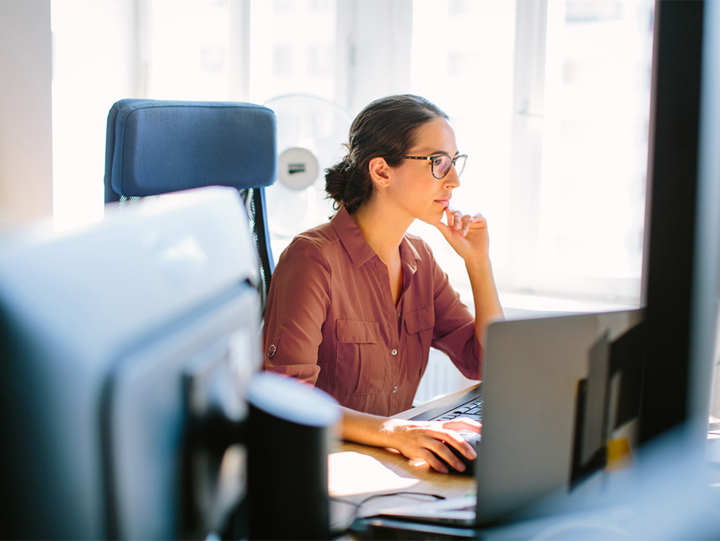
x=385 y=128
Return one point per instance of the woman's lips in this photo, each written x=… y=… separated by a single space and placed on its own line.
x=444 y=202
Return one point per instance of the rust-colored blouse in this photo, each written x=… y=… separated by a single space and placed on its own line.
x=331 y=321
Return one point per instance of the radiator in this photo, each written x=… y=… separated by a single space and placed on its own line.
x=441 y=377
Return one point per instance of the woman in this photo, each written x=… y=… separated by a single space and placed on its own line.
x=355 y=304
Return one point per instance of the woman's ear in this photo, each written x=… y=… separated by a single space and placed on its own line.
x=379 y=172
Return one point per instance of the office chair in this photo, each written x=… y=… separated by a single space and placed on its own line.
x=157 y=147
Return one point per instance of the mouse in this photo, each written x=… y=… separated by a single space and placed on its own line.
x=473 y=438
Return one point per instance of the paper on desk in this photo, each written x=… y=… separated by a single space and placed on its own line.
x=355 y=473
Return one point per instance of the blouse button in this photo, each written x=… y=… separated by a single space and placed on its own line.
x=398 y=315
x=394 y=352
x=271 y=351
x=395 y=389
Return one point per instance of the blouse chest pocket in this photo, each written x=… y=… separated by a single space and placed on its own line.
x=360 y=365
x=419 y=327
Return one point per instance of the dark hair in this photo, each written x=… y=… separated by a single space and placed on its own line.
x=386 y=129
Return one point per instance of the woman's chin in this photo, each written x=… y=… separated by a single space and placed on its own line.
x=432 y=218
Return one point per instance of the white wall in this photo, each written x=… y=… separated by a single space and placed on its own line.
x=25 y=111
x=97 y=61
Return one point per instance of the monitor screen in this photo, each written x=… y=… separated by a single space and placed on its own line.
x=682 y=244
x=120 y=344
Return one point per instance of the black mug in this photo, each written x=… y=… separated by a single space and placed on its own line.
x=291 y=429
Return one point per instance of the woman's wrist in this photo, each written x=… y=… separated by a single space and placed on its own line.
x=388 y=432
x=481 y=264
x=366 y=428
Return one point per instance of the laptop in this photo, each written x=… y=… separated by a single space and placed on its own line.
x=468 y=404
x=552 y=391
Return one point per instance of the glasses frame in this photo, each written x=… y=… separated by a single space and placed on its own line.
x=432 y=163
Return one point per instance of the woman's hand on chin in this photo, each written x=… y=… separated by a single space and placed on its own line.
x=429 y=441
x=468 y=235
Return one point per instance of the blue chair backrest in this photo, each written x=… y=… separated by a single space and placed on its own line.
x=155 y=147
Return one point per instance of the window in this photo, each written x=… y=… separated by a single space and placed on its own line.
x=93 y=66
x=549 y=98
x=554 y=118
x=291 y=48
x=589 y=215
x=462 y=60
x=187 y=48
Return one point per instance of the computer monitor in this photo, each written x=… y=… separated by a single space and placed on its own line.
x=124 y=350
x=682 y=245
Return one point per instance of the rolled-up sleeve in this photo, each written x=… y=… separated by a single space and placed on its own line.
x=454 y=331
x=295 y=315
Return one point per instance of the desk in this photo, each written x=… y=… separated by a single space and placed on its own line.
x=672 y=503
x=357 y=472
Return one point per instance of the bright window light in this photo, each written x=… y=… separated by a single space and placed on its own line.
x=554 y=120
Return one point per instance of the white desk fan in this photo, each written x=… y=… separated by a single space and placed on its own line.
x=310 y=135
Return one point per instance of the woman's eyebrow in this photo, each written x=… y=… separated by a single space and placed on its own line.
x=435 y=152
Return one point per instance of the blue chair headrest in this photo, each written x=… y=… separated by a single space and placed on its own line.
x=155 y=147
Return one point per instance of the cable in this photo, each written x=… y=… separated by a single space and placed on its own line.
x=358 y=505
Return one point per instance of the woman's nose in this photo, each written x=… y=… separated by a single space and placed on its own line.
x=452 y=180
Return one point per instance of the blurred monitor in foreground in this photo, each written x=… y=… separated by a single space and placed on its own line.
x=124 y=351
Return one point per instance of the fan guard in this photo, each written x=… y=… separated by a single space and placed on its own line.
x=310 y=136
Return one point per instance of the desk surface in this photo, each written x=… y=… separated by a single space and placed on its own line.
x=357 y=472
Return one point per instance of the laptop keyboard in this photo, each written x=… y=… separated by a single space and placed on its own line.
x=471 y=409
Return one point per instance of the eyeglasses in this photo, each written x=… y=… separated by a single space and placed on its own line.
x=441 y=163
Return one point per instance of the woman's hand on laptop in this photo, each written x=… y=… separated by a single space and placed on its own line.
x=426 y=441
x=429 y=441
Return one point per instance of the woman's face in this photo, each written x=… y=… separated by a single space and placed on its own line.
x=413 y=187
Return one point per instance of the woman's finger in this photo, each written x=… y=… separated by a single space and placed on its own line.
x=454 y=218
x=427 y=438
x=432 y=460
x=465 y=225
x=477 y=218
x=449 y=216
x=463 y=423
x=441 y=452
x=461 y=444
x=458 y=220
x=442 y=439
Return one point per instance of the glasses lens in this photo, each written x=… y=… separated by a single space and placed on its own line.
x=460 y=164
x=441 y=166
